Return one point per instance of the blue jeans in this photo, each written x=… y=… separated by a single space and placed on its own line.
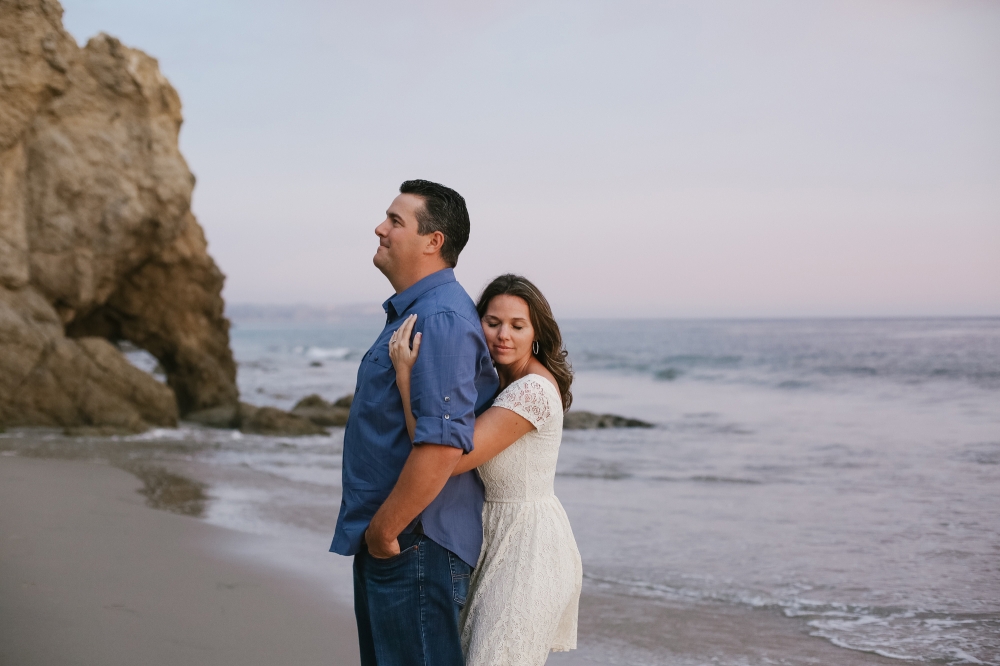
x=407 y=606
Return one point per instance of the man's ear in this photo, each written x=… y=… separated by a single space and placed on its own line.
x=434 y=242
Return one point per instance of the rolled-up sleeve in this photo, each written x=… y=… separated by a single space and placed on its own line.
x=443 y=387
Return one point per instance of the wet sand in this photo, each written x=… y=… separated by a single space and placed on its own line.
x=90 y=575
x=697 y=634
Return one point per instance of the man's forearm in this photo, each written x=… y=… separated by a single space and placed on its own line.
x=426 y=471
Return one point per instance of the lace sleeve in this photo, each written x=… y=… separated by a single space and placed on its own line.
x=526 y=397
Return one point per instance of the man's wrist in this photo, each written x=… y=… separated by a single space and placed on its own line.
x=378 y=533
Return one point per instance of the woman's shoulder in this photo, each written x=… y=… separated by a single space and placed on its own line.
x=539 y=371
x=533 y=394
x=545 y=381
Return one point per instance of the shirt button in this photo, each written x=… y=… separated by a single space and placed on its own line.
x=446 y=399
x=375 y=358
x=447 y=416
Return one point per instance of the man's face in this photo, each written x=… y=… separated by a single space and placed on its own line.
x=400 y=246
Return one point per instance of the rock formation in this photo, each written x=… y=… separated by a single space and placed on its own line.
x=265 y=420
x=97 y=239
x=323 y=413
x=273 y=421
x=581 y=420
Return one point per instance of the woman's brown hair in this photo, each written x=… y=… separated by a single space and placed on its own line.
x=550 y=353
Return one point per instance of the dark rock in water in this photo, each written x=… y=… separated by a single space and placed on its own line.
x=97 y=239
x=101 y=431
x=312 y=401
x=306 y=418
x=345 y=401
x=273 y=421
x=321 y=412
x=226 y=416
x=334 y=416
x=581 y=420
x=668 y=374
x=246 y=411
x=315 y=364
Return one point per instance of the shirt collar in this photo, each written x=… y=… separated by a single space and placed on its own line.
x=405 y=298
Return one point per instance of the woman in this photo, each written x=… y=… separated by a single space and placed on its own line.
x=524 y=593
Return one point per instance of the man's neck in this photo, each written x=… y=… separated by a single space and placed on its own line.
x=402 y=283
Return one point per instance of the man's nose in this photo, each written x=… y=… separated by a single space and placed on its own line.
x=380 y=230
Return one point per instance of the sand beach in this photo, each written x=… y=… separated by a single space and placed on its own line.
x=90 y=575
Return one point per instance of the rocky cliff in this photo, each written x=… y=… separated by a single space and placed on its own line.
x=97 y=239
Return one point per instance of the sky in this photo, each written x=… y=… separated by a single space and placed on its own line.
x=634 y=158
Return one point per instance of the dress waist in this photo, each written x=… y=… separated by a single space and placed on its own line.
x=533 y=500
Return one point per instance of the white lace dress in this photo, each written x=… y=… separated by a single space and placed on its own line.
x=525 y=591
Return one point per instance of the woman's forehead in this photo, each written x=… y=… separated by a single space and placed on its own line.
x=508 y=306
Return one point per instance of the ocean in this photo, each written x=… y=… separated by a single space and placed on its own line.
x=835 y=481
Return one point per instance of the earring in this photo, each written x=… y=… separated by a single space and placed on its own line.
x=534 y=347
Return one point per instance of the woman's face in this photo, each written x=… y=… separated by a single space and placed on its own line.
x=508 y=331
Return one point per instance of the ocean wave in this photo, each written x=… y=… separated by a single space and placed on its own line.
x=793 y=354
x=596 y=469
x=981 y=453
x=909 y=634
x=707 y=425
x=708 y=478
x=325 y=353
x=792 y=384
x=709 y=360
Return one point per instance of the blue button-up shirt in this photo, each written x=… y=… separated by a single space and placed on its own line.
x=453 y=380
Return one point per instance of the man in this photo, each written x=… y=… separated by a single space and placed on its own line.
x=415 y=533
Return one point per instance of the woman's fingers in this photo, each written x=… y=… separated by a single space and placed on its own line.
x=402 y=334
x=406 y=329
x=416 y=344
x=399 y=346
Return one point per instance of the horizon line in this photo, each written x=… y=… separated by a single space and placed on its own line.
x=371 y=309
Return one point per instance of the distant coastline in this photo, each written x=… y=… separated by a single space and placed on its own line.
x=310 y=313
x=300 y=313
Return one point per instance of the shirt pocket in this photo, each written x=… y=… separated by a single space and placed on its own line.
x=378 y=377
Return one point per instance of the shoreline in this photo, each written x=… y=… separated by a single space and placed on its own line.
x=120 y=578
x=91 y=575
x=679 y=634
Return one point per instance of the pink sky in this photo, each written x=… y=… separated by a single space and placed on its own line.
x=634 y=158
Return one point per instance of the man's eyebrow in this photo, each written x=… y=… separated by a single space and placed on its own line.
x=392 y=215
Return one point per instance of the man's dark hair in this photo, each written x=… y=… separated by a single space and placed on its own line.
x=444 y=211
